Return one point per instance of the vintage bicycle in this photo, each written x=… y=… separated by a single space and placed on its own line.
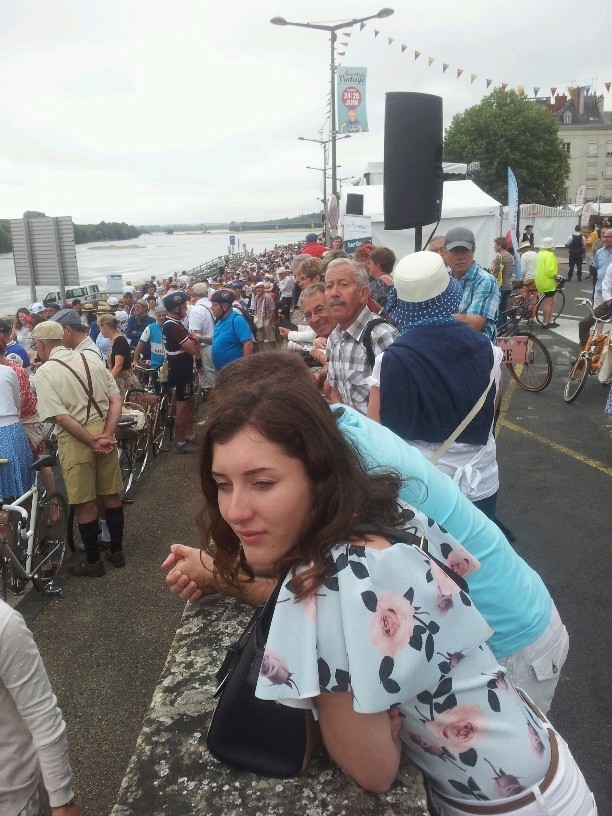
x=528 y=303
x=33 y=537
x=589 y=359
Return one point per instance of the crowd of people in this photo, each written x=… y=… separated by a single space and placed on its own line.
x=363 y=436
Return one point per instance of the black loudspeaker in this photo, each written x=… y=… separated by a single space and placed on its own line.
x=354 y=204
x=413 y=160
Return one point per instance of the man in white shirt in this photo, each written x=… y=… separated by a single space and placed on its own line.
x=286 y=282
x=202 y=326
x=528 y=259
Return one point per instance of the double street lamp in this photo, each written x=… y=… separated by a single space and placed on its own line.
x=324 y=143
x=332 y=29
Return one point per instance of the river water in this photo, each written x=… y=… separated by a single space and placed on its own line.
x=137 y=259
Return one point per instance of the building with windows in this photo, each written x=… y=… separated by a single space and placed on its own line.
x=586 y=132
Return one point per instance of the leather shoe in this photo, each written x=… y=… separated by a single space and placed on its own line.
x=117 y=559
x=86 y=570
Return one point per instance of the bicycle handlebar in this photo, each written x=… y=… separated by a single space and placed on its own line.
x=16 y=508
x=586 y=302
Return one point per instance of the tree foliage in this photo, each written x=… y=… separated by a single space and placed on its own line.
x=83 y=233
x=507 y=130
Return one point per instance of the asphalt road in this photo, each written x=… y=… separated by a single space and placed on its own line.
x=105 y=642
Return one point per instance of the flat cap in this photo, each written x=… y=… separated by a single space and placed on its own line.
x=48 y=330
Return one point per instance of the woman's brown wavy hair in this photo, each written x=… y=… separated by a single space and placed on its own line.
x=274 y=394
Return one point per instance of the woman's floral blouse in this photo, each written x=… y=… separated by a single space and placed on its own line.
x=394 y=628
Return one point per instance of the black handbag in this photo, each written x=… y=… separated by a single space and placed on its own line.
x=261 y=736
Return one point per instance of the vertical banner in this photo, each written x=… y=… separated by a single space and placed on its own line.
x=513 y=214
x=351 y=100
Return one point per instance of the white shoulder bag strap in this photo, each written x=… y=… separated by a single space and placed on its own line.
x=460 y=428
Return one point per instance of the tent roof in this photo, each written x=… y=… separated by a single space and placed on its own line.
x=459 y=198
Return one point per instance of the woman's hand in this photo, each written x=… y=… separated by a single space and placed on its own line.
x=191 y=573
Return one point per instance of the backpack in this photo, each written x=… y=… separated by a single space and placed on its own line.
x=366 y=338
x=575 y=243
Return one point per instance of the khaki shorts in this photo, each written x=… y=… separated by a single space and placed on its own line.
x=267 y=333
x=88 y=474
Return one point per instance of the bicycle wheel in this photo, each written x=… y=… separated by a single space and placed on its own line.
x=75 y=542
x=160 y=426
x=141 y=451
x=559 y=299
x=536 y=372
x=576 y=378
x=127 y=455
x=50 y=536
x=172 y=415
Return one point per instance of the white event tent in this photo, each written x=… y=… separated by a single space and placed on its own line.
x=464 y=204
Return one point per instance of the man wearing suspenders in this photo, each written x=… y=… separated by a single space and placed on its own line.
x=83 y=400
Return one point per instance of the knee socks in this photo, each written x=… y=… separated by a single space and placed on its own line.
x=114 y=520
x=89 y=534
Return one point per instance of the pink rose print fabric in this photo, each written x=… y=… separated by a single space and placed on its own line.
x=395 y=628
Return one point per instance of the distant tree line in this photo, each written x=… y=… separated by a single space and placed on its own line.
x=83 y=233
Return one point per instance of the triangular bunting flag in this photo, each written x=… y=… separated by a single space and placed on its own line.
x=473 y=78
x=362 y=26
x=344 y=45
x=346 y=33
x=536 y=91
x=417 y=54
x=404 y=47
x=390 y=40
x=607 y=86
x=520 y=89
x=587 y=88
x=444 y=67
x=459 y=72
x=431 y=60
x=553 y=91
x=489 y=81
x=570 y=90
x=504 y=85
x=340 y=53
x=376 y=33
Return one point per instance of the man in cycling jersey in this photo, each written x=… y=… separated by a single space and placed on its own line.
x=150 y=350
x=181 y=348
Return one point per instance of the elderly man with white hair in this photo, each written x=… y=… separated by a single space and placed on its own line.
x=202 y=326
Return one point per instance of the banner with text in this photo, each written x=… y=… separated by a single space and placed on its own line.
x=351 y=97
x=513 y=216
x=356 y=229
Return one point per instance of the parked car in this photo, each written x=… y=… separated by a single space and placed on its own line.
x=83 y=293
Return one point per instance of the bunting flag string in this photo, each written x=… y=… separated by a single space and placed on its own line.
x=520 y=89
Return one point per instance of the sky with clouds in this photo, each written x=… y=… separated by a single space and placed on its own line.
x=190 y=111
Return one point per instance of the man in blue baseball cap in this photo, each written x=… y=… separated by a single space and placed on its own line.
x=313 y=247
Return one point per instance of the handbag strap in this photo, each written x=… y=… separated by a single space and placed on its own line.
x=463 y=425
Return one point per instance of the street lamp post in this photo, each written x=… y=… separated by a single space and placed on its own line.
x=324 y=143
x=332 y=29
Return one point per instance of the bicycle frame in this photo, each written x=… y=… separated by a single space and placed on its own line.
x=25 y=538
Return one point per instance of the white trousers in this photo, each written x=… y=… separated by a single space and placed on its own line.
x=536 y=668
x=567 y=795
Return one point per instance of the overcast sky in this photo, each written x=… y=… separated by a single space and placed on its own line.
x=190 y=110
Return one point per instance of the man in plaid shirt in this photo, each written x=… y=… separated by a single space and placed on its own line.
x=480 y=299
x=346 y=292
